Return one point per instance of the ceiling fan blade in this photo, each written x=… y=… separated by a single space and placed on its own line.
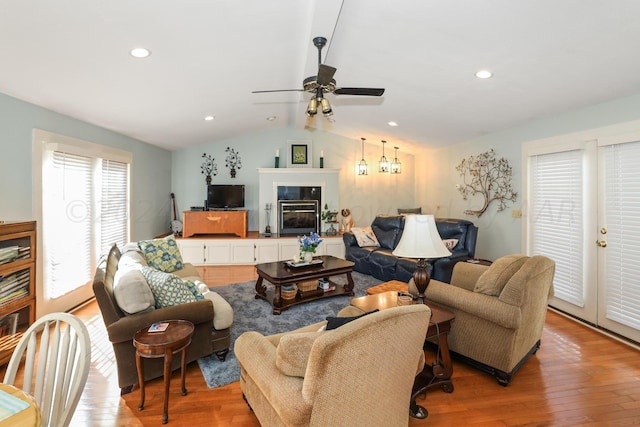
x=367 y=91
x=277 y=90
x=325 y=74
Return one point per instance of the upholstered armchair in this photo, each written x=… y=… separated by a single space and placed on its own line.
x=359 y=374
x=500 y=311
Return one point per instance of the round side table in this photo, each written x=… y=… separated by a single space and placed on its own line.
x=152 y=345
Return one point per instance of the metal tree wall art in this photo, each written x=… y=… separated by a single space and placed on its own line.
x=208 y=167
x=233 y=161
x=488 y=176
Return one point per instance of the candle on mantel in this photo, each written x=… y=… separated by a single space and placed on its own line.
x=321 y=153
x=278 y=153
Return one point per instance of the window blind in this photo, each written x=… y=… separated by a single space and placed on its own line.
x=622 y=253
x=556 y=210
x=113 y=206
x=67 y=218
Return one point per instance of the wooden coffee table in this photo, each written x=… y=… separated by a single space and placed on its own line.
x=280 y=274
x=438 y=374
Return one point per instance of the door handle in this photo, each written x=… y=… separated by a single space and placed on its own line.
x=601 y=243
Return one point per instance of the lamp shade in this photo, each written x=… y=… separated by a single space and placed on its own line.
x=420 y=239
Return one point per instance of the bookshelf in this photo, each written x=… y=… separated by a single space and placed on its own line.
x=17 y=283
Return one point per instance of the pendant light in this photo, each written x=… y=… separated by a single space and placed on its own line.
x=396 y=166
x=383 y=164
x=362 y=166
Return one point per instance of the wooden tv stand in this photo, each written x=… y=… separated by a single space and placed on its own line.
x=214 y=222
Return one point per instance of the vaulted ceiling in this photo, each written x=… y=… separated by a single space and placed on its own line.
x=547 y=57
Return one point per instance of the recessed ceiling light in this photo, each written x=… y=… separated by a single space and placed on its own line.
x=484 y=74
x=392 y=123
x=140 y=52
x=209 y=118
x=271 y=118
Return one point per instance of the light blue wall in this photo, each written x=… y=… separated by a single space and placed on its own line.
x=499 y=233
x=366 y=196
x=151 y=171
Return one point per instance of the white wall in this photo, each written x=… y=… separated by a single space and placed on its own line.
x=151 y=171
x=499 y=233
x=366 y=196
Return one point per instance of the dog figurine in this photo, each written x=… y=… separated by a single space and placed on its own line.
x=347 y=220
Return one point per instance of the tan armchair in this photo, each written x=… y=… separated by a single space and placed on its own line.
x=500 y=311
x=361 y=373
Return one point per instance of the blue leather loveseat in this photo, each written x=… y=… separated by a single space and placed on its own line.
x=380 y=263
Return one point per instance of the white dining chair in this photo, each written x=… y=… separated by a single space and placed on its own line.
x=55 y=369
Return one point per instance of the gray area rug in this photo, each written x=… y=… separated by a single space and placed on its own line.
x=252 y=314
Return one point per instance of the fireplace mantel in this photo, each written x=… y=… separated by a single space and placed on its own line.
x=298 y=171
x=271 y=178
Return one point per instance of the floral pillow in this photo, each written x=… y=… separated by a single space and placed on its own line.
x=365 y=237
x=450 y=243
x=162 y=254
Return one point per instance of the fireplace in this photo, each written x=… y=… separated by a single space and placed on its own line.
x=298 y=209
x=295 y=185
x=297 y=217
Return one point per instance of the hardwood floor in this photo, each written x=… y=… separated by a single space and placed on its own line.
x=579 y=377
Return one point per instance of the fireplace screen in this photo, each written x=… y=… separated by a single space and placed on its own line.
x=298 y=217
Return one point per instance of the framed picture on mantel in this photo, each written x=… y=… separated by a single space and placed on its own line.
x=299 y=154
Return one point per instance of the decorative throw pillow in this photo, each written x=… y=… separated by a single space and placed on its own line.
x=493 y=280
x=292 y=353
x=365 y=237
x=162 y=254
x=336 y=322
x=131 y=291
x=402 y=211
x=168 y=289
x=194 y=289
x=450 y=243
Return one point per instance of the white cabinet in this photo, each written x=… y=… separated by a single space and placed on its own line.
x=217 y=252
x=288 y=248
x=192 y=251
x=250 y=251
x=333 y=246
x=266 y=250
x=243 y=252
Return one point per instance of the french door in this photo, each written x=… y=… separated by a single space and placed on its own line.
x=583 y=211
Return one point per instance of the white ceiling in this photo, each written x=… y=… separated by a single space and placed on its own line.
x=547 y=56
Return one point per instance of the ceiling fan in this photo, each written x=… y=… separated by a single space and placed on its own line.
x=323 y=83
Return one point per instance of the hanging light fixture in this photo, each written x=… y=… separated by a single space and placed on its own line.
x=325 y=105
x=383 y=164
x=312 y=108
x=362 y=166
x=396 y=166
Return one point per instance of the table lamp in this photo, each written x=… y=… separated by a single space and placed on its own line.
x=420 y=239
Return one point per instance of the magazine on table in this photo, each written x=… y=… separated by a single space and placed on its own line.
x=159 y=327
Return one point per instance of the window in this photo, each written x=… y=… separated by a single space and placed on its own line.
x=85 y=209
x=556 y=203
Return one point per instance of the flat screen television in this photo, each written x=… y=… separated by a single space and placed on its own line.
x=225 y=196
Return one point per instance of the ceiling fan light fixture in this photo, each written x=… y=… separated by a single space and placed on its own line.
x=326 y=107
x=312 y=108
x=383 y=164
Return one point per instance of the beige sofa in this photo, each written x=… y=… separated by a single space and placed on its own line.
x=500 y=311
x=124 y=314
x=360 y=374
